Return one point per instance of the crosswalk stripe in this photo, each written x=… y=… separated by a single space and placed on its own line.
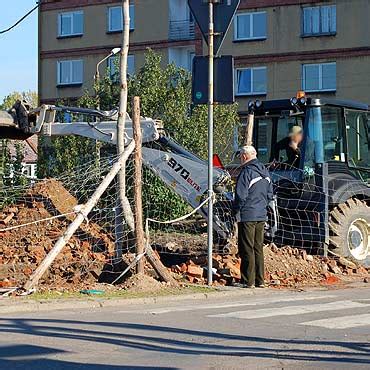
x=291 y=310
x=231 y=305
x=342 y=322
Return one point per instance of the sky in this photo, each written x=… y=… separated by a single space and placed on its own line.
x=18 y=48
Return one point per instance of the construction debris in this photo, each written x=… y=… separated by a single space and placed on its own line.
x=88 y=256
x=22 y=249
x=284 y=267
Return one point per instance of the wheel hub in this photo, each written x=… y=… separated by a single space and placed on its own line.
x=355 y=238
x=358 y=243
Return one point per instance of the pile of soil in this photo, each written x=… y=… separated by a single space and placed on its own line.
x=142 y=283
x=22 y=249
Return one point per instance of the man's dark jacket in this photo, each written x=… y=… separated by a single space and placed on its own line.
x=293 y=155
x=253 y=192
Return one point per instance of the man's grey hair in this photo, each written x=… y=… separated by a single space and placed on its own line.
x=248 y=150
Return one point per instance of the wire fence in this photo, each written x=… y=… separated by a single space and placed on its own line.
x=316 y=212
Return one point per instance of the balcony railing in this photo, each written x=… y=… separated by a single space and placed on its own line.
x=181 y=30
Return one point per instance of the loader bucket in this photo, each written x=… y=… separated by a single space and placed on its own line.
x=13 y=133
x=9 y=130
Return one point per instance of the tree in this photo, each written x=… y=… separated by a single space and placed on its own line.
x=165 y=94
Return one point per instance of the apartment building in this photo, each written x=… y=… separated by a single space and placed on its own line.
x=75 y=35
x=280 y=46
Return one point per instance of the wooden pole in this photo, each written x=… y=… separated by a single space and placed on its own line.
x=81 y=216
x=139 y=230
x=158 y=266
x=123 y=209
x=248 y=137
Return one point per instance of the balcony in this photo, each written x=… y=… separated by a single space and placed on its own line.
x=181 y=30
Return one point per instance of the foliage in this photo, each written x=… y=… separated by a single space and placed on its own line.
x=30 y=97
x=165 y=94
x=59 y=155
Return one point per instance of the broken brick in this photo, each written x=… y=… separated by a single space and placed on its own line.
x=195 y=271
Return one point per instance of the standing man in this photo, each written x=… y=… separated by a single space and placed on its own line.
x=252 y=196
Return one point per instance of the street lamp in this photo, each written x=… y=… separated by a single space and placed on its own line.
x=114 y=51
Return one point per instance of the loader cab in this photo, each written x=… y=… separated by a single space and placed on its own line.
x=333 y=170
x=333 y=132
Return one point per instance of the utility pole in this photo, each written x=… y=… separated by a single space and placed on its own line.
x=210 y=141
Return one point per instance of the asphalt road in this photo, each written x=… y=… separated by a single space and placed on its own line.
x=267 y=330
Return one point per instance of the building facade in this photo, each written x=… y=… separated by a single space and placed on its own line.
x=280 y=46
x=74 y=35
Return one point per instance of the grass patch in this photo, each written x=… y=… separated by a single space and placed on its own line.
x=112 y=294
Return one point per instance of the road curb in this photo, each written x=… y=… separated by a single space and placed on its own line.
x=24 y=305
x=20 y=306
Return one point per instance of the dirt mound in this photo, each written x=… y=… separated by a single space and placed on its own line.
x=142 y=283
x=22 y=249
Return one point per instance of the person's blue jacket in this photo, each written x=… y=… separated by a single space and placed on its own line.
x=253 y=192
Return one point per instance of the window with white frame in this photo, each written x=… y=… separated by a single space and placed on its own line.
x=71 y=24
x=251 y=81
x=250 y=26
x=182 y=57
x=113 y=65
x=70 y=72
x=319 y=77
x=29 y=170
x=319 y=20
x=115 y=18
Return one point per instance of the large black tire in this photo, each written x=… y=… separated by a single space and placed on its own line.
x=349 y=227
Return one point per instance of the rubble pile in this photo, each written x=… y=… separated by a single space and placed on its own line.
x=22 y=249
x=88 y=254
x=284 y=267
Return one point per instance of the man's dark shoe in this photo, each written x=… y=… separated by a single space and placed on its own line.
x=261 y=286
x=249 y=286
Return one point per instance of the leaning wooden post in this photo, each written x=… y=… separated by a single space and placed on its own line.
x=81 y=216
x=158 y=266
x=123 y=210
x=138 y=162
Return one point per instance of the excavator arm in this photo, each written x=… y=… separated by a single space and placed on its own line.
x=180 y=169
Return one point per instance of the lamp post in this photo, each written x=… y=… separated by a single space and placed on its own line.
x=210 y=138
x=114 y=51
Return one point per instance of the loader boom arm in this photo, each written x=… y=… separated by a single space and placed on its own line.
x=180 y=169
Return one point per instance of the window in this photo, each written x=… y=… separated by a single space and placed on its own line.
x=263 y=138
x=70 y=72
x=358 y=139
x=181 y=57
x=251 y=81
x=324 y=135
x=113 y=65
x=319 y=20
x=250 y=26
x=70 y=24
x=115 y=18
x=29 y=170
x=319 y=77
